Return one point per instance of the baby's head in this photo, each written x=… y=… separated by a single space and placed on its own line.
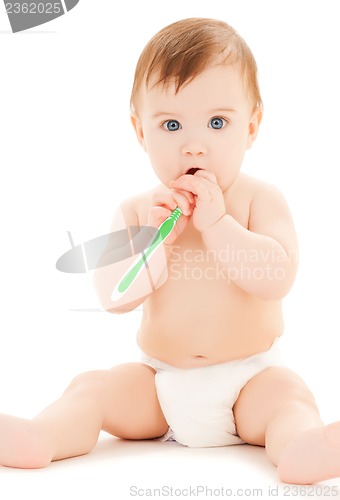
x=183 y=50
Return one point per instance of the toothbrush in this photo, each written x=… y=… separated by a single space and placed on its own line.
x=163 y=231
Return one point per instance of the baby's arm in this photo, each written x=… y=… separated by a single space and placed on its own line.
x=154 y=270
x=265 y=256
x=262 y=259
x=107 y=276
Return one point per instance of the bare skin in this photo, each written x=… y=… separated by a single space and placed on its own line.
x=197 y=289
x=71 y=425
x=202 y=306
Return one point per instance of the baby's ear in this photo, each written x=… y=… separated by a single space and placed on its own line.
x=254 y=126
x=137 y=125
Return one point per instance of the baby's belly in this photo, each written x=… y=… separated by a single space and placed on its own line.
x=199 y=326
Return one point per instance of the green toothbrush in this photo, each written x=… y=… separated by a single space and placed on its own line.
x=131 y=274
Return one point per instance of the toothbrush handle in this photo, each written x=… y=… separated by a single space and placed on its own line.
x=162 y=233
x=133 y=271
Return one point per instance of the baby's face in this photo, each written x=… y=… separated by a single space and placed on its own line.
x=208 y=124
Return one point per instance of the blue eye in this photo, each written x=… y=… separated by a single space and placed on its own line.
x=217 y=122
x=172 y=125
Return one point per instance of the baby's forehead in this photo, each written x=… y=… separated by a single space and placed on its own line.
x=173 y=85
x=182 y=74
x=217 y=86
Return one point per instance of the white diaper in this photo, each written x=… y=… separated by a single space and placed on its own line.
x=198 y=402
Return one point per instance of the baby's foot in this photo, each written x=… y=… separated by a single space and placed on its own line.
x=312 y=457
x=20 y=444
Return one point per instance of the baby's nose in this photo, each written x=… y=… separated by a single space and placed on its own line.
x=194 y=148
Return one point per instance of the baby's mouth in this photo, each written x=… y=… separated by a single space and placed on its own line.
x=192 y=171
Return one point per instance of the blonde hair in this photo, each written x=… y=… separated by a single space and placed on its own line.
x=184 y=49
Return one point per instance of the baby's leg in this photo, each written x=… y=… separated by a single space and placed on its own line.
x=276 y=410
x=121 y=401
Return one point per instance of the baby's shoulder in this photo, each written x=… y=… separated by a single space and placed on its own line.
x=258 y=193
x=267 y=206
x=136 y=208
x=255 y=187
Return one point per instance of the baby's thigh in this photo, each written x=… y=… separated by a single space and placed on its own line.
x=267 y=394
x=131 y=407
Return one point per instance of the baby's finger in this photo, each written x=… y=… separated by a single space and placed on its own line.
x=196 y=185
x=164 y=199
x=187 y=194
x=205 y=174
x=182 y=201
x=157 y=215
x=171 y=200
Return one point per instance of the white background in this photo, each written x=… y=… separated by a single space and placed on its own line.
x=69 y=157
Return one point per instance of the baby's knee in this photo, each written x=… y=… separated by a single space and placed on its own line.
x=86 y=382
x=290 y=387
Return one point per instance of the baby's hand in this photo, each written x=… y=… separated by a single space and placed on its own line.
x=164 y=202
x=208 y=196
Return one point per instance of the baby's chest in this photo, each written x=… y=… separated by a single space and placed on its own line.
x=192 y=264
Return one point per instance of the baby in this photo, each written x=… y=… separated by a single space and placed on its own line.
x=211 y=373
